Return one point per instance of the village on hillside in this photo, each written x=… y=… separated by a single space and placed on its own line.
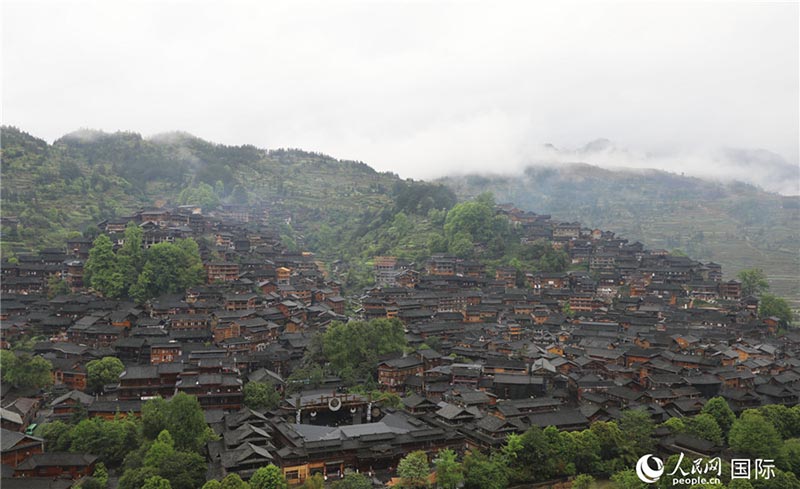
x=485 y=352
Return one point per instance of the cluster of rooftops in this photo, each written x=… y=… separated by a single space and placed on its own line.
x=491 y=352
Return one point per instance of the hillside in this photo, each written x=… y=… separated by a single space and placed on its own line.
x=87 y=176
x=345 y=208
x=737 y=225
x=348 y=213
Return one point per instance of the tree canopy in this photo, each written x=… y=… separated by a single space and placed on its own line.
x=260 y=396
x=182 y=416
x=353 y=348
x=413 y=470
x=101 y=271
x=169 y=268
x=772 y=305
x=353 y=480
x=752 y=434
x=111 y=440
x=202 y=195
x=269 y=477
x=449 y=473
x=103 y=371
x=484 y=472
x=164 y=268
x=723 y=414
x=754 y=281
x=182 y=469
x=24 y=370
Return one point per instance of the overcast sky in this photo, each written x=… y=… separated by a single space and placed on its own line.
x=419 y=88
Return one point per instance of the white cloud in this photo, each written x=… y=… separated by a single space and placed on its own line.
x=419 y=88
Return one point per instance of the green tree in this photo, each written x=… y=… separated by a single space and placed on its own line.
x=154 y=417
x=202 y=195
x=740 y=484
x=191 y=271
x=56 y=286
x=754 y=435
x=24 y=371
x=184 y=470
x=182 y=416
x=56 y=436
x=316 y=481
x=461 y=245
x=400 y=226
x=781 y=480
x=307 y=375
x=560 y=452
x=169 y=268
x=545 y=454
x=771 y=305
x=754 y=281
x=437 y=244
x=484 y=472
x=136 y=478
x=789 y=459
x=111 y=440
x=475 y=218
x=103 y=371
x=413 y=470
x=514 y=448
x=610 y=438
x=233 y=481
x=187 y=423
x=100 y=474
x=449 y=473
x=259 y=395
x=353 y=481
x=675 y=425
x=130 y=258
x=269 y=477
x=163 y=447
x=521 y=457
x=212 y=484
x=356 y=345
x=156 y=482
x=587 y=451
x=101 y=271
x=627 y=479
x=141 y=290
x=583 y=481
x=638 y=427
x=786 y=420
x=704 y=426
x=553 y=261
x=718 y=408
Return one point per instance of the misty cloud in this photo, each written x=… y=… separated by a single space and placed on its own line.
x=423 y=89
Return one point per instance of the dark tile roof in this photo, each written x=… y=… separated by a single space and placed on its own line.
x=57 y=459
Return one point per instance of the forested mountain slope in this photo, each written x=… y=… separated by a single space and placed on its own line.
x=737 y=225
x=341 y=209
